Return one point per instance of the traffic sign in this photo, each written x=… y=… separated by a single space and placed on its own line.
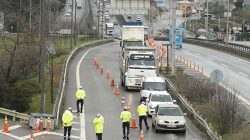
x=216 y=76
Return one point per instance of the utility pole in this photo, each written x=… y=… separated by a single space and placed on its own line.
x=102 y=18
x=75 y=23
x=71 y=24
x=206 y=22
x=185 y=23
x=173 y=36
x=227 y=39
x=219 y=23
x=243 y=21
x=43 y=37
x=30 y=14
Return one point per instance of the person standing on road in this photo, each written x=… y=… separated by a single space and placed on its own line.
x=67 y=119
x=142 y=111
x=99 y=123
x=125 y=117
x=80 y=96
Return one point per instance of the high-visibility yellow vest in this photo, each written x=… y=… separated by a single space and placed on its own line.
x=67 y=118
x=80 y=94
x=142 y=110
x=125 y=116
x=98 y=122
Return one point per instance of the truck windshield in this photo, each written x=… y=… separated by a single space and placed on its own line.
x=133 y=43
x=141 y=60
x=159 y=86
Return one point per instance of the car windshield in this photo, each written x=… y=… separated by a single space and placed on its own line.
x=169 y=111
x=142 y=62
x=161 y=98
x=159 y=86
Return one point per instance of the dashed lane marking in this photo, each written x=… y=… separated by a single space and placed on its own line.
x=14 y=127
x=210 y=58
x=243 y=74
x=225 y=65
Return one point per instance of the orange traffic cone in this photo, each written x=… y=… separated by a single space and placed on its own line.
x=48 y=125
x=94 y=61
x=41 y=124
x=42 y=138
x=112 y=82
x=6 y=126
x=117 y=90
x=101 y=72
x=31 y=135
x=37 y=125
x=142 y=135
x=97 y=64
x=123 y=100
x=107 y=74
x=133 y=123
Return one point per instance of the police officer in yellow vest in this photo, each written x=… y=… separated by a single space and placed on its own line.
x=80 y=95
x=99 y=123
x=67 y=119
x=125 y=117
x=142 y=111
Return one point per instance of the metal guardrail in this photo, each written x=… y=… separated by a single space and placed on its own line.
x=15 y=115
x=58 y=108
x=241 y=50
x=197 y=117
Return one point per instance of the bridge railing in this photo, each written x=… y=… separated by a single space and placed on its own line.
x=16 y=116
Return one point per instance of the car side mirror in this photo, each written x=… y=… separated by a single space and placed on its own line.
x=184 y=114
x=174 y=101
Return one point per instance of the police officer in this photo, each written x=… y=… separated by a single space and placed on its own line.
x=67 y=119
x=98 y=122
x=125 y=117
x=142 y=111
x=80 y=95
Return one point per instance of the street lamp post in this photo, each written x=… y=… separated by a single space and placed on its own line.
x=206 y=22
x=227 y=39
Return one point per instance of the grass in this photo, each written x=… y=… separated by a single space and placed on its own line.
x=62 y=46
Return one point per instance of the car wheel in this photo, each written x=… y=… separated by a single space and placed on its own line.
x=121 y=79
x=184 y=131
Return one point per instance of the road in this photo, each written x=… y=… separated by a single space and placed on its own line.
x=101 y=97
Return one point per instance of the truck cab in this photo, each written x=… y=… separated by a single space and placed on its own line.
x=136 y=63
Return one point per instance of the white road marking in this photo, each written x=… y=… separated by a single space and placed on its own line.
x=210 y=58
x=14 y=127
x=243 y=74
x=82 y=117
x=225 y=65
x=75 y=129
x=75 y=122
x=10 y=135
x=46 y=133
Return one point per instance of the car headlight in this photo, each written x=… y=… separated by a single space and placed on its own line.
x=160 y=121
x=182 y=122
x=151 y=106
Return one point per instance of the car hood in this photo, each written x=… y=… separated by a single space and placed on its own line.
x=145 y=93
x=154 y=104
x=171 y=118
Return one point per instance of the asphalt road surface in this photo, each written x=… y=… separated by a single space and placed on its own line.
x=101 y=97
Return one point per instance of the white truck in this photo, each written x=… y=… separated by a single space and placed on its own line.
x=136 y=63
x=132 y=34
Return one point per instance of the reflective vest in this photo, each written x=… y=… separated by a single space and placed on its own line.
x=142 y=110
x=125 y=116
x=80 y=94
x=98 y=122
x=67 y=118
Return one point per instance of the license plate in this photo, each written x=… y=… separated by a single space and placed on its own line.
x=172 y=126
x=137 y=80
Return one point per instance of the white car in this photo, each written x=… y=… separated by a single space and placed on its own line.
x=138 y=18
x=157 y=98
x=169 y=117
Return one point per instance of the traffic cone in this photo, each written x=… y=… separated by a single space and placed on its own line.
x=129 y=109
x=5 y=126
x=94 y=61
x=112 y=82
x=117 y=90
x=37 y=125
x=142 y=135
x=41 y=124
x=48 y=125
x=107 y=76
x=123 y=100
x=101 y=72
x=31 y=135
x=133 y=123
x=97 y=64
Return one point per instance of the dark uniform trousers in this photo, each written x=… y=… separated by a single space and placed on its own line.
x=99 y=136
x=124 y=126
x=67 y=129
x=80 y=101
x=141 y=118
